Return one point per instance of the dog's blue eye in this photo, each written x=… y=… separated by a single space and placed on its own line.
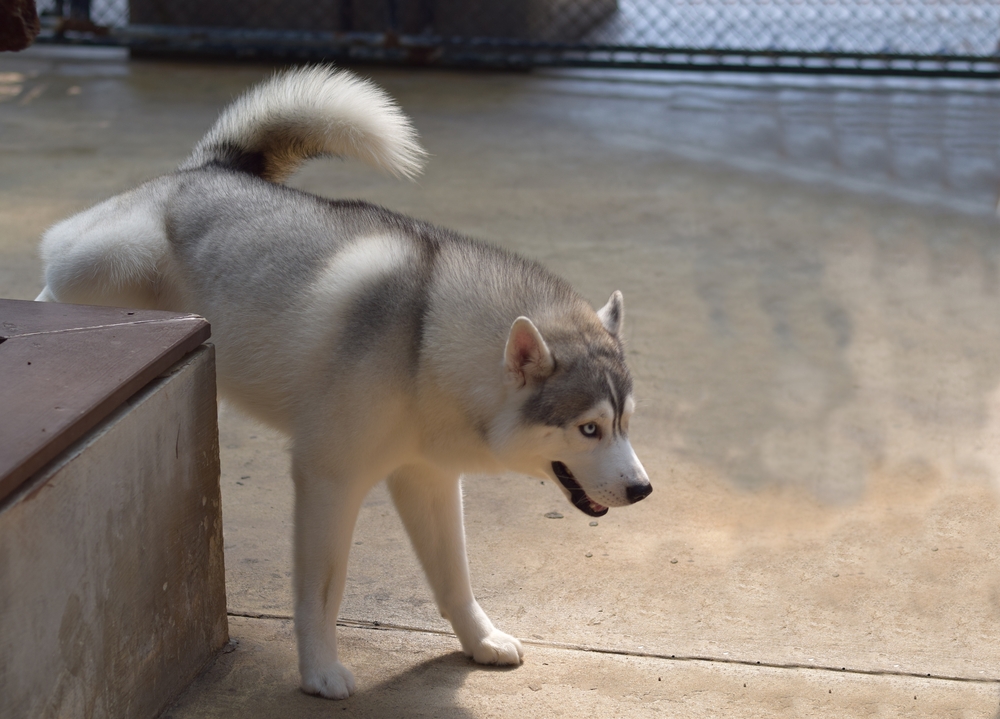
x=588 y=430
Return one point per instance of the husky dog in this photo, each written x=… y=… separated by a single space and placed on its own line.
x=384 y=347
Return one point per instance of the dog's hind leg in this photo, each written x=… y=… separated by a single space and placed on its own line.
x=326 y=509
x=430 y=504
x=112 y=254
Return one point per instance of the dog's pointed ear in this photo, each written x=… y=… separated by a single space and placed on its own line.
x=613 y=313
x=527 y=359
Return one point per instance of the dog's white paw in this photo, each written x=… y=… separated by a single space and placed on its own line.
x=497 y=648
x=334 y=681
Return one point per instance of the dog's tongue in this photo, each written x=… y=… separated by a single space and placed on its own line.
x=578 y=497
x=594 y=509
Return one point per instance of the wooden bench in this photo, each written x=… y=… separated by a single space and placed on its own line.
x=112 y=582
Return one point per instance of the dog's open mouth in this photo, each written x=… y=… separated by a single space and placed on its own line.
x=577 y=496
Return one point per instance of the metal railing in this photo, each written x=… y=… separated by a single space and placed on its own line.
x=899 y=37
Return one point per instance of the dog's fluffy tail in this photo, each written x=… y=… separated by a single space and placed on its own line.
x=310 y=112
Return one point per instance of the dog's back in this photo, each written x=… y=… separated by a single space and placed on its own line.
x=293 y=283
x=220 y=236
x=117 y=252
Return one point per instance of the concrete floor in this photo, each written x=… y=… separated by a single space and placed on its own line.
x=811 y=313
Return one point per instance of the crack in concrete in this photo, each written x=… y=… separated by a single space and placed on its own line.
x=383 y=626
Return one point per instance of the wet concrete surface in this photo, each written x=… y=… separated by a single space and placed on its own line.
x=811 y=287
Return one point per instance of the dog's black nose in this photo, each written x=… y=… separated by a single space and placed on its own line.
x=636 y=492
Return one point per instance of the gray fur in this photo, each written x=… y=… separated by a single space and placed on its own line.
x=386 y=348
x=249 y=238
x=580 y=381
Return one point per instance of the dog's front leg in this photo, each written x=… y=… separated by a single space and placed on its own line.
x=430 y=505
x=326 y=509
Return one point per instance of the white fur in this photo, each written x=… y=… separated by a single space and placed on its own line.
x=364 y=261
x=113 y=250
x=345 y=116
x=601 y=466
x=354 y=418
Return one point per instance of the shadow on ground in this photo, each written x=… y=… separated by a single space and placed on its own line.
x=396 y=676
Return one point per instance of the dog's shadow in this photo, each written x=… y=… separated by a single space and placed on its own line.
x=427 y=689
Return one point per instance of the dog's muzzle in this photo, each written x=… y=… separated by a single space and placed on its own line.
x=577 y=496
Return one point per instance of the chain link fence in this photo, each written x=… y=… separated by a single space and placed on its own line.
x=937 y=37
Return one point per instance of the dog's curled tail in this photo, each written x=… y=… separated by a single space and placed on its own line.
x=310 y=112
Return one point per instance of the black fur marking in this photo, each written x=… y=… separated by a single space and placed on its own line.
x=230 y=157
x=618 y=405
x=430 y=248
x=393 y=307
